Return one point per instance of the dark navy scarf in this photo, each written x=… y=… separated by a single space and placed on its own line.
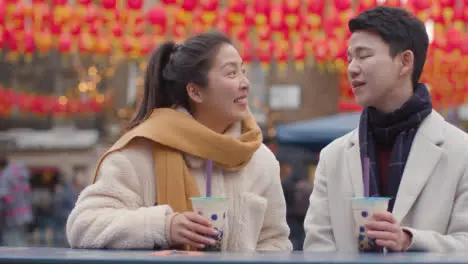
x=395 y=131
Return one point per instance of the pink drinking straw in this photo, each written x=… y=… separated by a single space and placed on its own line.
x=366 y=176
x=209 y=172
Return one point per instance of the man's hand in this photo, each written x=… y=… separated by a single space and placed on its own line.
x=388 y=233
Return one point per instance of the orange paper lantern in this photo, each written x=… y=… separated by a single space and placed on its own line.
x=43 y=42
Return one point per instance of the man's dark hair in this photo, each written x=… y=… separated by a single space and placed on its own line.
x=399 y=29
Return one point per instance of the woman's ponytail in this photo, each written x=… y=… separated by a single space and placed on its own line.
x=156 y=93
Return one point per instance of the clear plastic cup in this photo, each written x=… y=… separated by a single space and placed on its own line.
x=363 y=209
x=215 y=209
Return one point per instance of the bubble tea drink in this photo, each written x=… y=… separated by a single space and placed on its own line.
x=215 y=210
x=363 y=209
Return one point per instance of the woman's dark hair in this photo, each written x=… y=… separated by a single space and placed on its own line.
x=171 y=67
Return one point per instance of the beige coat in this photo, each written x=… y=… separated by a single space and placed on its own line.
x=119 y=211
x=432 y=201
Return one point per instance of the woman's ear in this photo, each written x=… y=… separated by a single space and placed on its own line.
x=194 y=92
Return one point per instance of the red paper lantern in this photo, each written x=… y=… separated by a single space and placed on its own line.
x=40 y=16
x=109 y=7
x=264 y=53
x=316 y=6
x=210 y=11
x=140 y=26
x=262 y=10
x=264 y=34
x=3 y=13
x=223 y=24
x=366 y=4
x=94 y=105
x=134 y=4
x=453 y=39
x=55 y=29
x=280 y=53
x=65 y=43
x=291 y=6
x=13 y=43
x=59 y=106
x=117 y=33
x=75 y=29
x=169 y=2
x=179 y=32
x=464 y=46
x=421 y=5
x=197 y=23
x=157 y=18
x=436 y=14
x=209 y=5
x=189 y=5
x=85 y=2
x=238 y=6
x=394 y=3
x=18 y=17
x=2 y=38
x=95 y=29
x=59 y=2
x=332 y=23
x=241 y=32
x=447 y=3
x=292 y=15
x=459 y=17
x=83 y=6
x=28 y=45
x=277 y=21
x=459 y=13
x=342 y=5
x=299 y=54
x=321 y=48
x=91 y=15
x=37 y=105
x=146 y=46
x=315 y=10
x=236 y=12
x=246 y=49
x=187 y=10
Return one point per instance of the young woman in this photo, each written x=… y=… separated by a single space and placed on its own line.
x=194 y=109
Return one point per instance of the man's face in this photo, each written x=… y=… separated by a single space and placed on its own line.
x=372 y=72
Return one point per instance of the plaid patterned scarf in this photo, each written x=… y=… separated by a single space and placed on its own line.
x=394 y=130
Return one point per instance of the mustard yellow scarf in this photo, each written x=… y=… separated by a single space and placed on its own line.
x=175 y=133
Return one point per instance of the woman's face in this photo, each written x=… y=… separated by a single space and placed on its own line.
x=226 y=96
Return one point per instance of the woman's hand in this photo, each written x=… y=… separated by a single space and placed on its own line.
x=191 y=228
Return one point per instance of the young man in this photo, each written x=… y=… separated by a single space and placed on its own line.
x=416 y=156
